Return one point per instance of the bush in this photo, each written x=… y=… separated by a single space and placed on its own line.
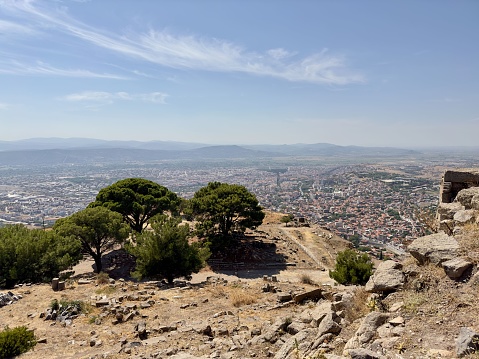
x=352 y=268
x=16 y=341
x=34 y=255
x=165 y=251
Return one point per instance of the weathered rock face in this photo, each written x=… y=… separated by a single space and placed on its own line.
x=435 y=248
x=467 y=342
x=458 y=199
x=387 y=277
x=367 y=330
x=466 y=196
x=447 y=210
x=455 y=268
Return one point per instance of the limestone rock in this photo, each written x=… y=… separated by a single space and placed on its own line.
x=314 y=294
x=435 y=248
x=387 y=277
x=316 y=314
x=467 y=342
x=361 y=353
x=367 y=330
x=456 y=267
x=328 y=325
x=466 y=195
x=464 y=216
x=447 y=210
x=291 y=344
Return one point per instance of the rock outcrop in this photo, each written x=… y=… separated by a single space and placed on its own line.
x=435 y=248
x=388 y=277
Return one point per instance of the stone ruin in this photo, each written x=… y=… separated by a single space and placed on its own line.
x=8 y=298
x=458 y=199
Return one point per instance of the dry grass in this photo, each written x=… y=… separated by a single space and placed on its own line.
x=102 y=278
x=306 y=279
x=469 y=241
x=359 y=305
x=239 y=297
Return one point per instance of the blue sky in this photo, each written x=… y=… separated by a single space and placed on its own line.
x=373 y=73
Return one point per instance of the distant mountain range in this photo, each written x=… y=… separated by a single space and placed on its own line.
x=52 y=151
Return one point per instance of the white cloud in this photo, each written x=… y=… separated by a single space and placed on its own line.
x=194 y=52
x=3 y=106
x=101 y=97
x=7 y=27
x=279 y=53
x=14 y=67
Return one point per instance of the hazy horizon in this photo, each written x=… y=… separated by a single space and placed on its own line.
x=377 y=74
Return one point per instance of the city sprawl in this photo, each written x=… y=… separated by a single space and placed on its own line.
x=367 y=204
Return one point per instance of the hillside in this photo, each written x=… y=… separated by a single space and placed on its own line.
x=273 y=298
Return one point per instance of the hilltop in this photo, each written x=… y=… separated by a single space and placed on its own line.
x=277 y=299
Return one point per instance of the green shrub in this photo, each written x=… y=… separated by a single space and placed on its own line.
x=352 y=268
x=16 y=341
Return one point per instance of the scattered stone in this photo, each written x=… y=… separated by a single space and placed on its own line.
x=314 y=294
x=467 y=342
x=456 y=267
x=8 y=298
x=362 y=353
x=396 y=307
x=284 y=297
x=397 y=321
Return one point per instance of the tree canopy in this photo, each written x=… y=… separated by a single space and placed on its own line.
x=352 y=268
x=165 y=251
x=222 y=208
x=34 y=255
x=97 y=229
x=137 y=200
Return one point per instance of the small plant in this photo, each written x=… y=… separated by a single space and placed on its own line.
x=106 y=290
x=352 y=268
x=102 y=278
x=306 y=279
x=54 y=305
x=16 y=341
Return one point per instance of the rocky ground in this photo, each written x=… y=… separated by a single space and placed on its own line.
x=275 y=301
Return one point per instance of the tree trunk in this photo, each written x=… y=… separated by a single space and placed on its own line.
x=98 y=265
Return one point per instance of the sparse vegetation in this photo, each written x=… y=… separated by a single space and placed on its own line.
x=16 y=341
x=164 y=251
x=352 y=268
x=239 y=297
x=102 y=278
x=306 y=279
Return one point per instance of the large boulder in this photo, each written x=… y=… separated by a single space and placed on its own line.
x=448 y=210
x=464 y=216
x=434 y=248
x=465 y=196
x=388 y=277
x=456 y=267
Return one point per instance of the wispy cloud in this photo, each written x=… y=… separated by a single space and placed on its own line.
x=8 y=27
x=3 y=106
x=101 y=97
x=14 y=67
x=195 y=52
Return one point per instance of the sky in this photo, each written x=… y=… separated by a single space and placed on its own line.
x=400 y=73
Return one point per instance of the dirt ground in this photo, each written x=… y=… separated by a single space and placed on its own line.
x=289 y=253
